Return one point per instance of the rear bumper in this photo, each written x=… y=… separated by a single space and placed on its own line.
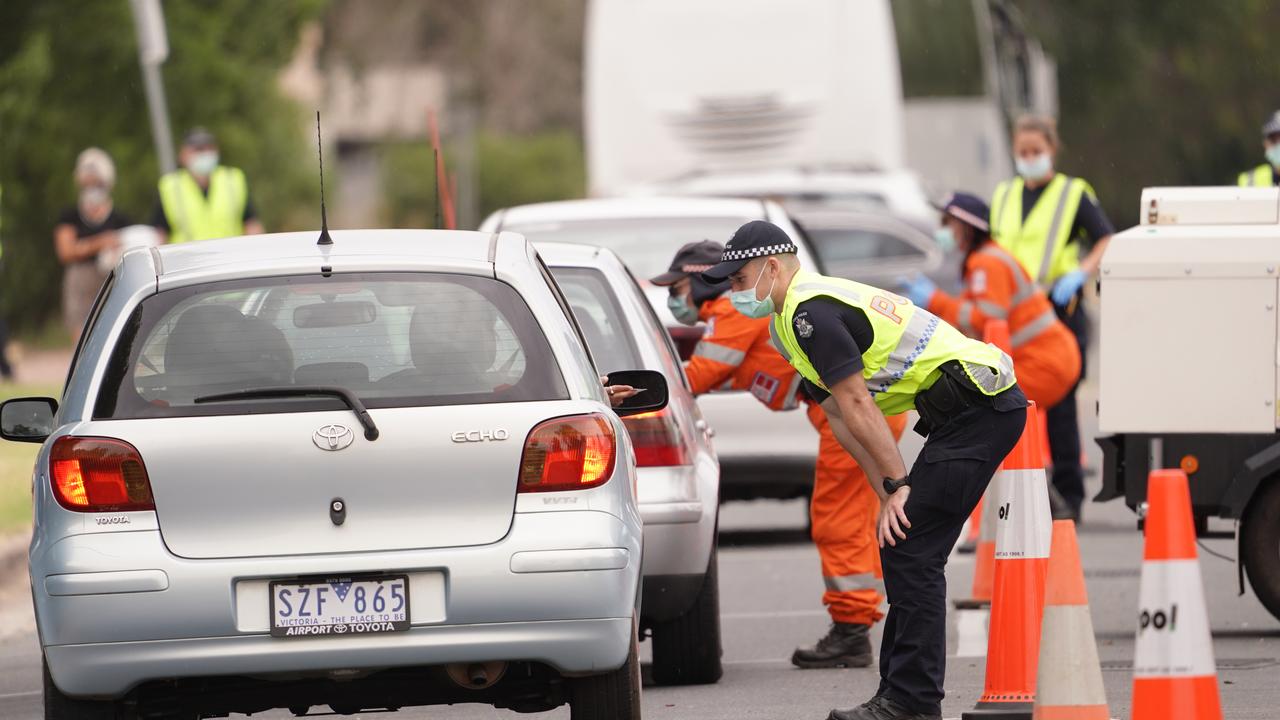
x=117 y=609
x=108 y=670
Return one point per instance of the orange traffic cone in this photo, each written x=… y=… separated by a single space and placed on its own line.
x=1070 y=677
x=1023 y=535
x=984 y=557
x=1174 y=676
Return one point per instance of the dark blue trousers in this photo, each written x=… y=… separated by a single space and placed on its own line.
x=1063 y=423
x=952 y=472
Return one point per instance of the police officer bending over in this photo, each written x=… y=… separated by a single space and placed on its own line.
x=865 y=353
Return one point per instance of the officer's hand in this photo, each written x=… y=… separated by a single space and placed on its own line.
x=1067 y=286
x=893 y=517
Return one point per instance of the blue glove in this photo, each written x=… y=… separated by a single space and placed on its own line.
x=919 y=288
x=1067 y=286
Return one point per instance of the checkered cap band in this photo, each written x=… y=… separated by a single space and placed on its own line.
x=695 y=268
x=757 y=252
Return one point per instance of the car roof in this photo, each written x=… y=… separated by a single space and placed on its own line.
x=573 y=254
x=636 y=207
x=442 y=245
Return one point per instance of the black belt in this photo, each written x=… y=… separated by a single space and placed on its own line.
x=951 y=394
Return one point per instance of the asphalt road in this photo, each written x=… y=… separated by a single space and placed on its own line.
x=770 y=591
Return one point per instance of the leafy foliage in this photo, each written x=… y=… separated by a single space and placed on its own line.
x=69 y=78
x=1154 y=92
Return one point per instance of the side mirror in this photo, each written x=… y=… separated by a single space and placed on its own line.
x=653 y=386
x=27 y=419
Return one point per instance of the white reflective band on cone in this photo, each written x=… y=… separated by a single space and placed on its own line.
x=1024 y=525
x=1175 y=641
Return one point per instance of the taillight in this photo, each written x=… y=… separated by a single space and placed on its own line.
x=568 y=453
x=656 y=439
x=94 y=474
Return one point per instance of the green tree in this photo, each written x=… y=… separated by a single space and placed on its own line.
x=1160 y=93
x=69 y=78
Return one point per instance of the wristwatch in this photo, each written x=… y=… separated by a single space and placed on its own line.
x=891 y=486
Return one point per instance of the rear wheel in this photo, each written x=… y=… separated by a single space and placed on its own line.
x=60 y=707
x=612 y=696
x=686 y=651
x=1260 y=545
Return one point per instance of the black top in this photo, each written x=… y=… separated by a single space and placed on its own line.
x=833 y=336
x=114 y=221
x=1091 y=224
x=160 y=221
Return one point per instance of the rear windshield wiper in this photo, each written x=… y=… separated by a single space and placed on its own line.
x=262 y=393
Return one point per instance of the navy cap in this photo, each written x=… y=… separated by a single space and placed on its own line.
x=199 y=137
x=1272 y=125
x=758 y=238
x=692 y=258
x=968 y=209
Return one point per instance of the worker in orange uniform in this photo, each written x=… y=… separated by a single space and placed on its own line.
x=996 y=287
x=736 y=353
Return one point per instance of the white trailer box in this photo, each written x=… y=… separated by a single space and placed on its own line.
x=1189 y=321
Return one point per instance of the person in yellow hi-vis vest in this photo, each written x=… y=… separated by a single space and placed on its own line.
x=865 y=353
x=204 y=199
x=1267 y=174
x=1053 y=225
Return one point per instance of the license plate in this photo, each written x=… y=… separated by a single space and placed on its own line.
x=339 y=606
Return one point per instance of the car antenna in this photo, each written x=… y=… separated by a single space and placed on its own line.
x=436 y=153
x=324 y=218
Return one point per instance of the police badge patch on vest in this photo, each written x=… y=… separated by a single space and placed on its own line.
x=764 y=387
x=803 y=327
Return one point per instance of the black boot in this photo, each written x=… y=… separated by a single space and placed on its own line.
x=845 y=645
x=879 y=708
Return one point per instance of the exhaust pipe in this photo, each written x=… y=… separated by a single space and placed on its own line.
x=476 y=676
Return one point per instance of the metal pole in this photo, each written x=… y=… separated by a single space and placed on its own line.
x=153 y=48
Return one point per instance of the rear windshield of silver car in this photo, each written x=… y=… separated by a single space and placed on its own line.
x=392 y=339
x=604 y=325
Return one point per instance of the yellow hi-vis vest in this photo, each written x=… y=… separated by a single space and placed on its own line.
x=1043 y=244
x=910 y=343
x=193 y=216
x=1260 y=176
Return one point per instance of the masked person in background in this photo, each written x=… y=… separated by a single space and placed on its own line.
x=83 y=232
x=736 y=353
x=1055 y=228
x=204 y=199
x=1268 y=173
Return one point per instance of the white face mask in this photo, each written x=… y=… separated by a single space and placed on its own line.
x=203 y=163
x=94 y=196
x=1037 y=167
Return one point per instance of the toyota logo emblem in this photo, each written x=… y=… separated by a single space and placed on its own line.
x=333 y=437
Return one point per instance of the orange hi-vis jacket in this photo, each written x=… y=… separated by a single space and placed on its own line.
x=1045 y=354
x=735 y=353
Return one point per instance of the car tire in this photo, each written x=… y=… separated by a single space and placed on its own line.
x=686 y=651
x=60 y=707
x=612 y=696
x=1260 y=545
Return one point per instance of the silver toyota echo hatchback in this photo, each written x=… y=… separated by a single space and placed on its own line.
x=370 y=474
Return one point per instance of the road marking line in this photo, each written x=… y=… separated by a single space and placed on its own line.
x=971 y=633
x=772 y=614
x=12 y=696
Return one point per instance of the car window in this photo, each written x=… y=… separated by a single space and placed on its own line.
x=646 y=245
x=395 y=340
x=603 y=323
x=95 y=311
x=841 y=245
